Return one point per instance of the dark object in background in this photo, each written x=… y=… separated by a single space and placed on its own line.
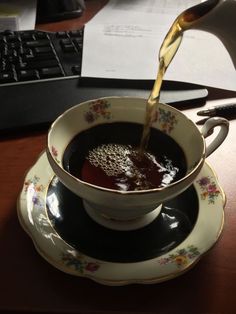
x=57 y=10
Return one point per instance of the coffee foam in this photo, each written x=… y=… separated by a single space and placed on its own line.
x=123 y=161
x=113 y=159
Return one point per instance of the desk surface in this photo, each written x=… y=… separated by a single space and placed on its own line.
x=29 y=283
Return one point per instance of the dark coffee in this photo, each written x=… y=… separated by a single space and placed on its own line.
x=108 y=155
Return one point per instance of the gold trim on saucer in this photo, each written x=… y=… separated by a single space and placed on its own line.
x=100 y=276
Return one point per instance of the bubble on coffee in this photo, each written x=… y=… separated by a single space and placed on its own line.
x=130 y=168
x=111 y=158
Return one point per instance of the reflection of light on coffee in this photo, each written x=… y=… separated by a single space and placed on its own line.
x=170 y=173
x=127 y=168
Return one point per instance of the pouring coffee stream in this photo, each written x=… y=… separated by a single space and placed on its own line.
x=215 y=16
x=168 y=50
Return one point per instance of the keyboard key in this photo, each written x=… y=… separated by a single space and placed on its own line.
x=64 y=42
x=27 y=57
x=76 y=69
x=39 y=50
x=26 y=36
x=51 y=72
x=37 y=43
x=12 y=52
x=40 y=35
x=68 y=48
x=31 y=57
x=8 y=32
x=24 y=51
x=26 y=75
x=12 y=38
x=4 y=51
x=75 y=33
x=2 y=38
x=61 y=34
x=33 y=65
x=5 y=65
x=14 y=45
x=7 y=77
x=78 y=43
x=11 y=59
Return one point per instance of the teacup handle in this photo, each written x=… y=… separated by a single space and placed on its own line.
x=208 y=129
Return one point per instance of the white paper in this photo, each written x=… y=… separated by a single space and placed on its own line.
x=121 y=51
x=17 y=14
x=10 y=21
x=143 y=11
x=122 y=41
x=202 y=59
x=28 y=14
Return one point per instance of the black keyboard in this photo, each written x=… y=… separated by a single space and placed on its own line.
x=40 y=77
x=37 y=55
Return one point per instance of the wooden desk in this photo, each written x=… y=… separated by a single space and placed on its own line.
x=30 y=284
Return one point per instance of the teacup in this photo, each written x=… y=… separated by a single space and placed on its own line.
x=125 y=210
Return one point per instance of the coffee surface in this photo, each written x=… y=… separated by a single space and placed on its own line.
x=108 y=155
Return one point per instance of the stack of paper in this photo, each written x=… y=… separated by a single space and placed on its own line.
x=123 y=40
x=17 y=14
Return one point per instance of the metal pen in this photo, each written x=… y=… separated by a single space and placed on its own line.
x=225 y=111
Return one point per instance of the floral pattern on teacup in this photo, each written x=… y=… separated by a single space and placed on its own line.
x=54 y=152
x=181 y=257
x=97 y=108
x=209 y=189
x=166 y=119
x=79 y=263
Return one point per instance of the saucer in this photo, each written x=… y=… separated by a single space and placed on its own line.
x=65 y=235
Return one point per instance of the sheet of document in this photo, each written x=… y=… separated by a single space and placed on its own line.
x=143 y=11
x=123 y=41
x=17 y=14
x=28 y=14
x=121 y=51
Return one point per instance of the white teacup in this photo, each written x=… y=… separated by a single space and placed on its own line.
x=126 y=210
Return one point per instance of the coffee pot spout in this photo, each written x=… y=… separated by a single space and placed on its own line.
x=216 y=17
